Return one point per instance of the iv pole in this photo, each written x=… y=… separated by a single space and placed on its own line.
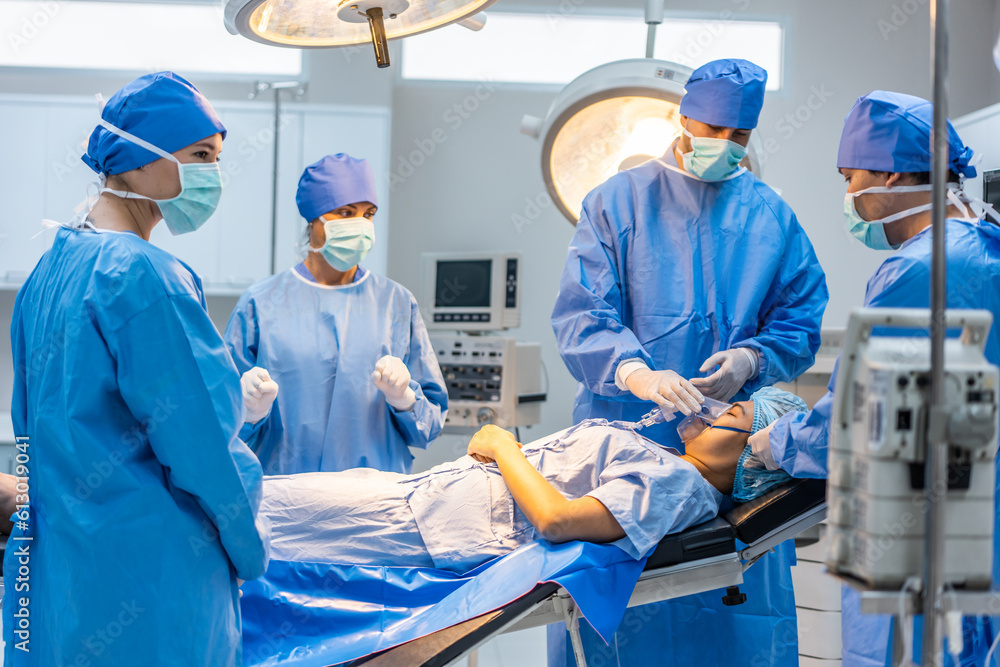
x=936 y=473
x=258 y=88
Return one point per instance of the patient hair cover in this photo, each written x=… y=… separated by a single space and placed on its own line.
x=752 y=478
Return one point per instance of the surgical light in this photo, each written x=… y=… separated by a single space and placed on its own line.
x=613 y=117
x=345 y=23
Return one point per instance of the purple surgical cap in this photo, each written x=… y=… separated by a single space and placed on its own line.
x=727 y=93
x=892 y=132
x=161 y=108
x=332 y=182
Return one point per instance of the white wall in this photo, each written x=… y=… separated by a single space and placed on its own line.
x=463 y=196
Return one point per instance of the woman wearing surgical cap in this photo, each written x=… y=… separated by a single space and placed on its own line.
x=359 y=380
x=885 y=160
x=689 y=265
x=142 y=503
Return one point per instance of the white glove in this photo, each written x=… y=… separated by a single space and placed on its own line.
x=665 y=388
x=736 y=366
x=392 y=378
x=760 y=445
x=259 y=392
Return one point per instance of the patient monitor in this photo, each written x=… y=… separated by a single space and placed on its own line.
x=490 y=379
x=471 y=291
x=878 y=448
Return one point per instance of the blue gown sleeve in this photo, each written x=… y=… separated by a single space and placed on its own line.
x=242 y=337
x=800 y=441
x=19 y=399
x=789 y=334
x=587 y=317
x=421 y=424
x=187 y=394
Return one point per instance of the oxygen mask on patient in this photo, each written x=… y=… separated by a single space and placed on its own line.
x=693 y=425
x=711 y=410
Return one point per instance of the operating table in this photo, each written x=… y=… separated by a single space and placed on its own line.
x=703 y=558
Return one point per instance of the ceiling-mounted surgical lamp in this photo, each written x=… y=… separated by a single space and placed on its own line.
x=344 y=23
x=615 y=116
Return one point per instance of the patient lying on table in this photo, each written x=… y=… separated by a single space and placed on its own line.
x=596 y=481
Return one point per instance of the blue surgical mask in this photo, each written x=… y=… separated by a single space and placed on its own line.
x=872 y=232
x=348 y=241
x=712 y=159
x=201 y=189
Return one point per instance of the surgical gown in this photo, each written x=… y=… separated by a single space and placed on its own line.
x=799 y=441
x=143 y=502
x=669 y=269
x=320 y=344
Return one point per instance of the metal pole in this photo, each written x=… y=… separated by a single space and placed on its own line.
x=274 y=181
x=654 y=17
x=936 y=480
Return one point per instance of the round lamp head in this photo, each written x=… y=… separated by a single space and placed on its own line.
x=615 y=116
x=338 y=23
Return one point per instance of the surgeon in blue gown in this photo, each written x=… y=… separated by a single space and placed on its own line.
x=142 y=505
x=884 y=156
x=359 y=381
x=685 y=265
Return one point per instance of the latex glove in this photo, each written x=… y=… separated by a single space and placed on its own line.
x=760 y=445
x=392 y=378
x=259 y=392
x=736 y=366
x=665 y=388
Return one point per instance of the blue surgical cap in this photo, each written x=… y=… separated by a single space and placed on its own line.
x=727 y=93
x=334 y=181
x=162 y=108
x=752 y=478
x=892 y=132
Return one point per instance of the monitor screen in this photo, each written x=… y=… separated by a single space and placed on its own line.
x=991 y=187
x=463 y=283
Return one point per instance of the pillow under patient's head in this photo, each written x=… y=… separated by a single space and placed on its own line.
x=752 y=478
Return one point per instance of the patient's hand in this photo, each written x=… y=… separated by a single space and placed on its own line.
x=490 y=438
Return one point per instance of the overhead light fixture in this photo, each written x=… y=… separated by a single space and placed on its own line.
x=343 y=23
x=613 y=117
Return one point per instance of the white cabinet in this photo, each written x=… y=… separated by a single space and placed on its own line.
x=22 y=182
x=45 y=178
x=817 y=602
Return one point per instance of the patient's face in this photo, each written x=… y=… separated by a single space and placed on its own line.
x=719 y=450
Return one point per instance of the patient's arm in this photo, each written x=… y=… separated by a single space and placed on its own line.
x=553 y=516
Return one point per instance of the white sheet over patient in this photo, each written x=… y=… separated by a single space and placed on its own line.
x=460 y=514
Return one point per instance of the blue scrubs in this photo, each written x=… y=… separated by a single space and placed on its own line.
x=799 y=441
x=669 y=269
x=320 y=344
x=143 y=502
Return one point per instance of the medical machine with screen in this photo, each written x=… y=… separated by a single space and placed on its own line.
x=471 y=291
